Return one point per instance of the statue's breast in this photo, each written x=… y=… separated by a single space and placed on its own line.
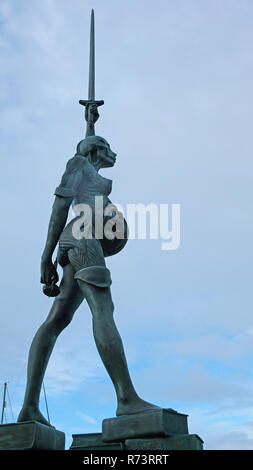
x=99 y=184
x=92 y=184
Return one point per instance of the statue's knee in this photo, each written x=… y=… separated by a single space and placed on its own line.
x=56 y=324
x=60 y=315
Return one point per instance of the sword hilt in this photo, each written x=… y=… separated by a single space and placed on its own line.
x=90 y=130
x=89 y=102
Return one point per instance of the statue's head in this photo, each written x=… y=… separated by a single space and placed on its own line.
x=97 y=150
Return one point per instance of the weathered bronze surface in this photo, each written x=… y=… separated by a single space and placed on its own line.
x=160 y=422
x=84 y=276
x=84 y=270
x=30 y=436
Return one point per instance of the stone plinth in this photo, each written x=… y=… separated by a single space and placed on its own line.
x=161 y=422
x=30 y=435
x=176 y=442
x=162 y=429
x=93 y=441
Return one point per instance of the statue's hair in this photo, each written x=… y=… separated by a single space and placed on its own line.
x=86 y=147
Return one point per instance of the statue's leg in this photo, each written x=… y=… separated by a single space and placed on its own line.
x=94 y=282
x=60 y=315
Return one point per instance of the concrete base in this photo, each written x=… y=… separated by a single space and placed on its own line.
x=30 y=435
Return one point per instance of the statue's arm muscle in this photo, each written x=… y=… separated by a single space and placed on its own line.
x=56 y=224
x=64 y=193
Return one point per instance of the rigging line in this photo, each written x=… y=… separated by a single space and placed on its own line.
x=46 y=401
x=10 y=404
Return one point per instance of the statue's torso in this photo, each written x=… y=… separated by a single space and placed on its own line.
x=87 y=186
x=92 y=185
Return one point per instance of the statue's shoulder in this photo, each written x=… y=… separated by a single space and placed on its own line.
x=72 y=177
x=76 y=163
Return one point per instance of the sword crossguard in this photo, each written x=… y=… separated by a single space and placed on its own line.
x=90 y=129
x=90 y=102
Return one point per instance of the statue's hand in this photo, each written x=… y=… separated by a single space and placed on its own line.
x=48 y=273
x=91 y=113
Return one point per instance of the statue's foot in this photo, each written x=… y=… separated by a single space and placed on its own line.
x=32 y=413
x=137 y=405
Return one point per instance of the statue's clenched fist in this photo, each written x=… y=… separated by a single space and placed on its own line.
x=91 y=113
x=48 y=272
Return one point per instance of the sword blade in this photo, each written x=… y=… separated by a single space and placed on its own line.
x=91 y=88
x=90 y=130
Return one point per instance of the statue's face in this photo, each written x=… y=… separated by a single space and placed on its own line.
x=105 y=155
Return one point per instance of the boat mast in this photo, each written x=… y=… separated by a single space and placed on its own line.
x=4 y=402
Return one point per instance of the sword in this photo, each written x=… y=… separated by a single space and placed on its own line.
x=91 y=87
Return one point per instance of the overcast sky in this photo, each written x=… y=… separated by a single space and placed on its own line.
x=177 y=80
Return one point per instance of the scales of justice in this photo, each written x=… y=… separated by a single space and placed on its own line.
x=138 y=424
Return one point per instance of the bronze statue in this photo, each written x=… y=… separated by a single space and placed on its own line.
x=85 y=274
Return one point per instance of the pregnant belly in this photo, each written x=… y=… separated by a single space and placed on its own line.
x=115 y=238
x=111 y=231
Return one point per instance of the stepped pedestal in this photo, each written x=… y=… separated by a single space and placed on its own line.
x=162 y=429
